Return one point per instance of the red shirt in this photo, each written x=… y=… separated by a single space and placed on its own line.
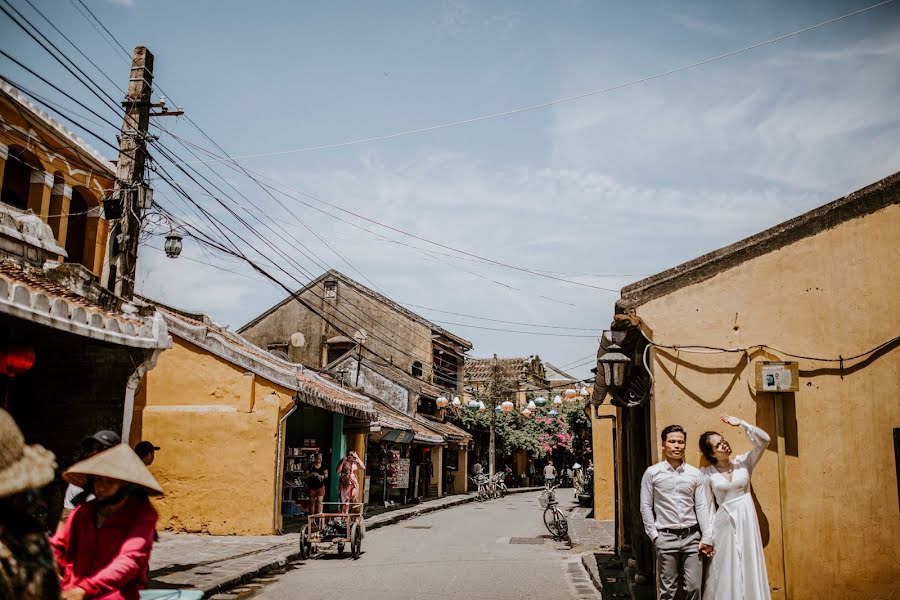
x=108 y=562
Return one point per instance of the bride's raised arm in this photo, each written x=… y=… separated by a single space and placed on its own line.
x=760 y=440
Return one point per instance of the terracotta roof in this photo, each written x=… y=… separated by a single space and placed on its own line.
x=556 y=374
x=391 y=418
x=337 y=275
x=867 y=200
x=39 y=295
x=448 y=430
x=311 y=387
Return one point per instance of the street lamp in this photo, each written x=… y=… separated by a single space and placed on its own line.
x=173 y=244
x=613 y=363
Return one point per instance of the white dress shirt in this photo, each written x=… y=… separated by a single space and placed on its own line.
x=674 y=499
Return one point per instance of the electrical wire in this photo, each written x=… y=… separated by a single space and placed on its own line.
x=701 y=349
x=581 y=96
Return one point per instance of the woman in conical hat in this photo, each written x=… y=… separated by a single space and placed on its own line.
x=104 y=549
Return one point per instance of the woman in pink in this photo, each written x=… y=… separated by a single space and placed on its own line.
x=103 y=551
x=347 y=470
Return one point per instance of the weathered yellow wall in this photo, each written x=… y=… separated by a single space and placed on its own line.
x=835 y=293
x=604 y=463
x=437 y=464
x=217 y=463
x=459 y=476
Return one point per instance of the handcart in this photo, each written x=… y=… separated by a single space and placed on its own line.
x=328 y=530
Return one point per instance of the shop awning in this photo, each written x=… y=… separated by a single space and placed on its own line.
x=448 y=431
x=398 y=436
x=401 y=426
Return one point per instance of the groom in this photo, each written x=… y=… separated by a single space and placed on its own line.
x=675 y=514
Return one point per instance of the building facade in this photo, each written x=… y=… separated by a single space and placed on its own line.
x=817 y=292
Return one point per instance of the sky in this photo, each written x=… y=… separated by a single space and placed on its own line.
x=600 y=191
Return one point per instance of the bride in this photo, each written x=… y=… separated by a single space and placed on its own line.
x=737 y=570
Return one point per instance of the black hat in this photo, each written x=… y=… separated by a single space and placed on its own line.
x=105 y=438
x=144 y=448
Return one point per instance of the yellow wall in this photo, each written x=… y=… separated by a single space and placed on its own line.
x=217 y=463
x=437 y=464
x=832 y=294
x=604 y=462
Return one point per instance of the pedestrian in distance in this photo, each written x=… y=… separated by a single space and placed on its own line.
x=146 y=451
x=349 y=483
x=737 y=570
x=549 y=474
x=532 y=471
x=103 y=551
x=75 y=495
x=675 y=512
x=27 y=567
x=315 y=484
x=578 y=479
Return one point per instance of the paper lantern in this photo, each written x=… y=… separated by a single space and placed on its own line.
x=456 y=401
x=584 y=391
x=442 y=402
x=557 y=401
x=16 y=360
x=526 y=412
x=532 y=405
x=570 y=393
x=552 y=412
x=540 y=401
x=481 y=405
x=473 y=404
x=507 y=406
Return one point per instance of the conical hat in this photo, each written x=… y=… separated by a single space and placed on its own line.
x=119 y=462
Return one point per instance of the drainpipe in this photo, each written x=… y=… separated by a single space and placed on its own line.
x=615 y=477
x=278 y=465
x=131 y=388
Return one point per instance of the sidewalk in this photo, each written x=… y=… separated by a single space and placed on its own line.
x=217 y=563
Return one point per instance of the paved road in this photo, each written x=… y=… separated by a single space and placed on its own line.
x=463 y=552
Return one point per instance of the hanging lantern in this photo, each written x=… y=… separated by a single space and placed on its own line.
x=16 y=360
x=481 y=405
x=526 y=412
x=552 y=412
x=570 y=393
x=473 y=404
x=584 y=393
x=532 y=405
x=498 y=408
x=442 y=402
x=507 y=406
x=558 y=400
x=541 y=401
x=613 y=362
x=173 y=245
x=456 y=401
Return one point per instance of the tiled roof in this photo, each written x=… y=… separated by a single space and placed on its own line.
x=479 y=369
x=38 y=295
x=391 y=418
x=337 y=275
x=312 y=388
x=555 y=374
x=448 y=430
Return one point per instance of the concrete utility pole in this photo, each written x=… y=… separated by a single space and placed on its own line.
x=120 y=265
x=495 y=369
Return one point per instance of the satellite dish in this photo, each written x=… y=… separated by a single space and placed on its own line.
x=360 y=336
x=298 y=340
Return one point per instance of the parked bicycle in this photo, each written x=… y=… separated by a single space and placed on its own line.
x=554 y=519
x=482 y=485
x=500 y=484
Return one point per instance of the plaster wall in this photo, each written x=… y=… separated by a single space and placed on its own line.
x=391 y=334
x=604 y=462
x=377 y=385
x=831 y=294
x=217 y=426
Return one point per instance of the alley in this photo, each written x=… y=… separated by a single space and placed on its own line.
x=473 y=551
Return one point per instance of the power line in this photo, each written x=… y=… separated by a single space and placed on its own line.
x=518 y=331
x=447 y=312
x=99 y=22
x=581 y=96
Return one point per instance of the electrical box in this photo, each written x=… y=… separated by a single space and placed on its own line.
x=777 y=376
x=144 y=197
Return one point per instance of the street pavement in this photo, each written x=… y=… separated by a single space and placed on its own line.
x=495 y=550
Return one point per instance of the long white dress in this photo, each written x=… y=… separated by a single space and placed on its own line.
x=737 y=570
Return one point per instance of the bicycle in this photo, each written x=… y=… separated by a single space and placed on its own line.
x=480 y=482
x=500 y=484
x=554 y=520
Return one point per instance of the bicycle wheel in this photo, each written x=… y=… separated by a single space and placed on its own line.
x=555 y=522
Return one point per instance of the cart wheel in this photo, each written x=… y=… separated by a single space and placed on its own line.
x=305 y=546
x=355 y=541
x=340 y=549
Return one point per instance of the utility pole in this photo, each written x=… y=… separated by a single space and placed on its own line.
x=495 y=376
x=121 y=252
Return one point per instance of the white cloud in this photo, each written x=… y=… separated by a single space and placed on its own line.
x=128 y=3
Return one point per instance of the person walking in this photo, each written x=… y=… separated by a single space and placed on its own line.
x=75 y=495
x=27 y=568
x=549 y=474
x=675 y=512
x=349 y=483
x=315 y=484
x=738 y=568
x=103 y=551
x=578 y=480
x=532 y=471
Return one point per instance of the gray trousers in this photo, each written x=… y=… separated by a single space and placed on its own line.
x=678 y=557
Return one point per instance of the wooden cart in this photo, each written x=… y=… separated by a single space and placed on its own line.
x=333 y=530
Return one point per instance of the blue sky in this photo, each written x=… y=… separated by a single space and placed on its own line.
x=604 y=189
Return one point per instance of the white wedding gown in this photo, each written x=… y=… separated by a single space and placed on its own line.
x=737 y=570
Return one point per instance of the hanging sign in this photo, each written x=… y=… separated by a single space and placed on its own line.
x=777 y=376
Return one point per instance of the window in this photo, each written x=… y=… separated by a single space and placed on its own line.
x=416 y=369
x=331 y=290
x=16 y=180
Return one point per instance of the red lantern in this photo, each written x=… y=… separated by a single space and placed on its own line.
x=16 y=360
